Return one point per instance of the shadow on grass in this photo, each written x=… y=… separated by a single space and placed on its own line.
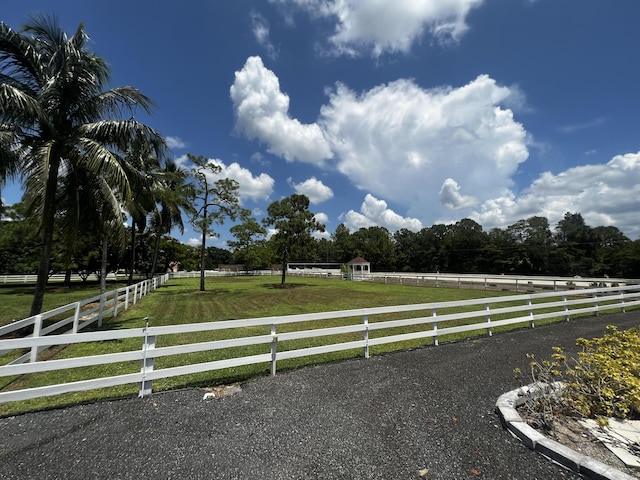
x=286 y=286
x=214 y=291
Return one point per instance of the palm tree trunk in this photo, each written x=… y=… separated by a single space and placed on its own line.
x=67 y=277
x=156 y=250
x=48 y=217
x=103 y=276
x=133 y=251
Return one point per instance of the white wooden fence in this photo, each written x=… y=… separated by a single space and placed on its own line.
x=520 y=309
x=81 y=314
x=55 y=278
x=516 y=283
x=222 y=273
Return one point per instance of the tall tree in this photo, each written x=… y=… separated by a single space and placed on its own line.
x=376 y=245
x=216 y=200
x=248 y=246
x=294 y=224
x=576 y=245
x=56 y=116
x=343 y=243
x=144 y=167
x=172 y=196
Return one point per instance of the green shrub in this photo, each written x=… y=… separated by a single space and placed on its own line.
x=606 y=378
x=603 y=381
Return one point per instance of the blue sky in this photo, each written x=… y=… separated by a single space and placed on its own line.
x=399 y=113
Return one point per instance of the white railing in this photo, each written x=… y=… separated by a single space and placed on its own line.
x=81 y=314
x=55 y=278
x=517 y=283
x=515 y=309
x=221 y=273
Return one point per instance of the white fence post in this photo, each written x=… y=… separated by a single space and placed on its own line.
x=37 y=326
x=274 y=346
x=126 y=298
x=101 y=308
x=149 y=343
x=115 y=303
x=488 y=317
x=566 y=308
x=135 y=293
x=365 y=322
x=531 y=322
x=76 y=318
x=435 y=327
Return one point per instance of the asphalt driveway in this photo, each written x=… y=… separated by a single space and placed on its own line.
x=426 y=412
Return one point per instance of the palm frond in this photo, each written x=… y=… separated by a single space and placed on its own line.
x=12 y=152
x=93 y=156
x=19 y=58
x=17 y=107
x=121 y=134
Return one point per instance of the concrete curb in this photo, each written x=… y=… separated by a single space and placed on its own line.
x=582 y=464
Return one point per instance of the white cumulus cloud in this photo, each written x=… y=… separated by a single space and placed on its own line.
x=175 y=142
x=451 y=197
x=250 y=186
x=374 y=212
x=382 y=27
x=313 y=188
x=262 y=113
x=402 y=142
x=261 y=30
x=604 y=194
x=321 y=217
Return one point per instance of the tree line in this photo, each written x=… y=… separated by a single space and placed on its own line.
x=527 y=247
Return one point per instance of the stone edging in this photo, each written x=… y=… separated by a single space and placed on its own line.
x=582 y=464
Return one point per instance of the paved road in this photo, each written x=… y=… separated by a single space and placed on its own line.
x=388 y=417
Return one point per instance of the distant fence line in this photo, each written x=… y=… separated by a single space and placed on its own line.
x=429 y=320
x=516 y=283
x=81 y=314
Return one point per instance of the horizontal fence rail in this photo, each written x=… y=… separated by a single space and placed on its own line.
x=507 y=283
x=430 y=320
x=80 y=314
x=60 y=277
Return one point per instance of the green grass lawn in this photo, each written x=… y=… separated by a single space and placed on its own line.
x=16 y=299
x=227 y=298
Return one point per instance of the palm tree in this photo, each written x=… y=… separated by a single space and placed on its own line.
x=56 y=117
x=172 y=195
x=144 y=167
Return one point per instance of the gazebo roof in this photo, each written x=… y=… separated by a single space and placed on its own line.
x=357 y=260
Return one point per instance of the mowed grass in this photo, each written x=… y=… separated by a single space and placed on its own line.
x=15 y=300
x=230 y=298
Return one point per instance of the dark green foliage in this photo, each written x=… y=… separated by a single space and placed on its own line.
x=62 y=133
x=215 y=202
x=294 y=224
